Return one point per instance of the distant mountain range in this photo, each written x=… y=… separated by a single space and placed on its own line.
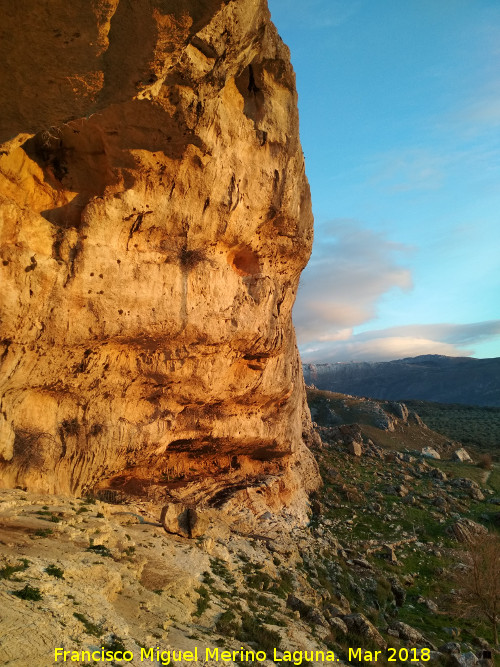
x=430 y=377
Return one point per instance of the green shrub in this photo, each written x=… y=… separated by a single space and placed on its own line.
x=207 y=578
x=8 y=570
x=28 y=593
x=261 y=581
x=55 y=571
x=220 y=569
x=203 y=601
x=90 y=628
x=226 y=624
x=43 y=532
x=100 y=549
x=114 y=644
x=252 y=630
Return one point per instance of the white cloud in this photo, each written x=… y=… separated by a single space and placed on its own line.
x=348 y=273
x=404 y=341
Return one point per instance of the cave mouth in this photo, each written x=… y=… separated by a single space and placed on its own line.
x=244 y=261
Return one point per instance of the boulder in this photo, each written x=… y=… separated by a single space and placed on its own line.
x=358 y=624
x=414 y=418
x=405 y=631
x=333 y=611
x=430 y=453
x=467 y=531
x=450 y=648
x=180 y=519
x=398 y=591
x=399 y=409
x=464 y=660
x=156 y=217
x=435 y=473
x=355 y=448
x=296 y=604
x=473 y=489
x=461 y=455
x=338 y=625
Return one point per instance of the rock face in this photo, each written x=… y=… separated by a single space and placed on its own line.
x=155 y=218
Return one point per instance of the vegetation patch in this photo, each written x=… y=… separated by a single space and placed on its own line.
x=203 y=601
x=7 y=571
x=100 y=549
x=28 y=593
x=90 y=628
x=55 y=571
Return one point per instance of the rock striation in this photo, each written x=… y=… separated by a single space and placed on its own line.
x=154 y=221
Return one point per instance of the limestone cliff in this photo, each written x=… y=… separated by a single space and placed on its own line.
x=155 y=217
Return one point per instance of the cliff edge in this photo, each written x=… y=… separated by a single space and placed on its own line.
x=154 y=220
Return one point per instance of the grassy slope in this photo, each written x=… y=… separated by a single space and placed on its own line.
x=356 y=501
x=471 y=425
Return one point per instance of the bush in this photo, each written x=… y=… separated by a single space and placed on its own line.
x=203 y=601
x=100 y=549
x=226 y=624
x=43 y=532
x=261 y=581
x=55 y=571
x=8 y=570
x=220 y=569
x=28 y=593
x=90 y=628
x=114 y=644
x=253 y=631
x=485 y=462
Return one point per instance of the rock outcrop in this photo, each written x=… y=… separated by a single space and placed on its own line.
x=155 y=218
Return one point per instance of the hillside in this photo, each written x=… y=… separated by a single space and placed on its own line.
x=427 y=378
x=474 y=426
x=438 y=425
x=373 y=570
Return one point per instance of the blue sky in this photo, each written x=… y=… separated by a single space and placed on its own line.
x=400 y=126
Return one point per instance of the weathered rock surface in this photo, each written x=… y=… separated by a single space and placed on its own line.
x=462 y=455
x=430 y=453
x=155 y=218
x=467 y=531
x=405 y=631
x=359 y=624
x=182 y=520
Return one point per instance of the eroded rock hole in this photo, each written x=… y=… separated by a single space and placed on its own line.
x=244 y=261
x=248 y=85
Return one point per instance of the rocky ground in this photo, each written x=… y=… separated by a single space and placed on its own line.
x=372 y=570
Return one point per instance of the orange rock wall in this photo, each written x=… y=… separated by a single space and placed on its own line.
x=154 y=220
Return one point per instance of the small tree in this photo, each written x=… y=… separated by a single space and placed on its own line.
x=477 y=581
